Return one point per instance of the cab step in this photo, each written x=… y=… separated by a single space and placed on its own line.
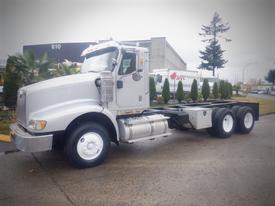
x=148 y=138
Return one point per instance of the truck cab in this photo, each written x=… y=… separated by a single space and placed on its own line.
x=128 y=67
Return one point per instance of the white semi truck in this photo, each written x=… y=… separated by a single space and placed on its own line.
x=109 y=102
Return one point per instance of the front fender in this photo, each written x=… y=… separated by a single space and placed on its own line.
x=59 y=116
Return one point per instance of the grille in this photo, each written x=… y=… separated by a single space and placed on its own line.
x=106 y=87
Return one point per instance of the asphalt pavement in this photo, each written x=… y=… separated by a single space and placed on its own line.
x=188 y=168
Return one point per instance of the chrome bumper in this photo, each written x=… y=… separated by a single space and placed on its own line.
x=29 y=143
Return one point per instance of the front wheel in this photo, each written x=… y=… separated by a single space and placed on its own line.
x=88 y=145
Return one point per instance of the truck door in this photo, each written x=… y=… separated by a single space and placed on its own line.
x=130 y=82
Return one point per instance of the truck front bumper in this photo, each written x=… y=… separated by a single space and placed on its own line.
x=26 y=142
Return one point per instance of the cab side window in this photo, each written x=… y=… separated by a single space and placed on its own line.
x=128 y=64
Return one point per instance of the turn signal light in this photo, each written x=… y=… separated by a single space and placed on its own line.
x=37 y=124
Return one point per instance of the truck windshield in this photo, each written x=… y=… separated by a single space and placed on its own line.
x=101 y=60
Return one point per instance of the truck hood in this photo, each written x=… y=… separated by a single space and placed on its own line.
x=55 y=92
x=63 y=81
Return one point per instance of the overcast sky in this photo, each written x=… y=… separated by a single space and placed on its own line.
x=49 y=21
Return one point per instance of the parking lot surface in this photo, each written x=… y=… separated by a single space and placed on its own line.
x=188 y=168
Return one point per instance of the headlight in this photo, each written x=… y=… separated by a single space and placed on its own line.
x=37 y=124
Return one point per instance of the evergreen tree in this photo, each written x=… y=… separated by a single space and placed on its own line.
x=237 y=88
x=222 y=89
x=180 y=93
x=226 y=90
x=12 y=82
x=205 y=89
x=194 y=90
x=153 y=92
x=215 y=91
x=212 y=56
x=166 y=91
x=271 y=76
x=230 y=90
x=11 y=85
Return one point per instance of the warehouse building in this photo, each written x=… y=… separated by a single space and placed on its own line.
x=161 y=53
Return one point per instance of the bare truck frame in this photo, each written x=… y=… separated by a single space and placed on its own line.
x=109 y=102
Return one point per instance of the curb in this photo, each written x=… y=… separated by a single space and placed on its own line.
x=5 y=138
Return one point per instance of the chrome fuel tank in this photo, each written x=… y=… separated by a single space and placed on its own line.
x=140 y=127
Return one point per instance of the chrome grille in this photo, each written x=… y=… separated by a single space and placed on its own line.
x=21 y=107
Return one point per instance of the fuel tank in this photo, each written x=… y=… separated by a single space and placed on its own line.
x=132 y=128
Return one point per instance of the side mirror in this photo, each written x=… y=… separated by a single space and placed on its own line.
x=114 y=62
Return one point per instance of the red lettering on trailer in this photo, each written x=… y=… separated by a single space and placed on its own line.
x=175 y=76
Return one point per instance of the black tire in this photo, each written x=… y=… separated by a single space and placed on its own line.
x=244 y=127
x=218 y=123
x=75 y=157
x=235 y=109
x=211 y=130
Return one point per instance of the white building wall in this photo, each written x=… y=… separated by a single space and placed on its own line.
x=157 y=53
x=162 y=54
x=172 y=59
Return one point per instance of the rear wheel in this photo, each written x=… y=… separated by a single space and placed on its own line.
x=223 y=123
x=88 y=145
x=235 y=109
x=211 y=130
x=245 y=120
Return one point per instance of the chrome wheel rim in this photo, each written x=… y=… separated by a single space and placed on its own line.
x=248 y=120
x=89 y=146
x=228 y=123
